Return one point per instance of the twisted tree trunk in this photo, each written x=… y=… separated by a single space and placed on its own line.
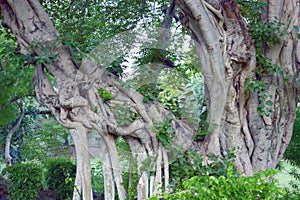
x=227 y=55
x=78 y=105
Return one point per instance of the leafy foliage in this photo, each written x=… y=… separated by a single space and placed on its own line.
x=164 y=131
x=117 y=67
x=16 y=76
x=179 y=88
x=189 y=164
x=46 y=138
x=97 y=178
x=124 y=114
x=292 y=155
x=60 y=177
x=104 y=94
x=25 y=180
x=131 y=180
x=265 y=34
x=192 y=101
x=265 y=106
x=292 y=152
x=294 y=191
x=217 y=180
x=232 y=185
x=202 y=130
x=91 y=20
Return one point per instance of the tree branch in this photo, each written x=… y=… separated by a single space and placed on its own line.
x=13 y=99
x=17 y=123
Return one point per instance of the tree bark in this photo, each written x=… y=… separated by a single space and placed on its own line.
x=227 y=56
x=77 y=104
x=17 y=123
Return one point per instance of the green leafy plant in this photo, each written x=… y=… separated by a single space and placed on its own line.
x=202 y=131
x=104 y=94
x=294 y=191
x=48 y=133
x=25 y=180
x=132 y=179
x=60 y=176
x=292 y=152
x=164 y=131
x=190 y=164
x=15 y=77
x=97 y=178
x=149 y=91
x=117 y=66
x=264 y=108
x=124 y=114
x=265 y=34
x=292 y=155
x=231 y=185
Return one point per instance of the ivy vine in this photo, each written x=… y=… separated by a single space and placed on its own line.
x=265 y=34
x=124 y=114
x=164 y=131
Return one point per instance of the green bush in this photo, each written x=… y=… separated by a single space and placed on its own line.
x=97 y=178
x=189 y=164
x=25 y=180
x=230 y=186
x=292 y=153
x=60 y=177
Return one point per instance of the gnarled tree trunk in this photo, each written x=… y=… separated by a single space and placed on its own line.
x=78 y=105
x=227 y=55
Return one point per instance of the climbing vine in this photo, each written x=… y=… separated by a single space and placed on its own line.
x=104 y=94
x=164 y=131
x=124 y=114
x=265 y=34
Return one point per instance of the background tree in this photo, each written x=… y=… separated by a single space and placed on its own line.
x=20 y=115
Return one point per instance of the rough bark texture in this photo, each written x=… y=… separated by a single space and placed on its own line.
x=227 y=56
x=77 y=105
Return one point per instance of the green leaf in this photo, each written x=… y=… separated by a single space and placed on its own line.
x=104 y=94
x=52 y=56
x=269 y=103
x=261 y=106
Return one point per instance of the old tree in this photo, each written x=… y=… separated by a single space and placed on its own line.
x=250 y=65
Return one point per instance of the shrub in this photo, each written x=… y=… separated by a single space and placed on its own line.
x=3 y=187
x=60 y=177
x=231 y=186
x=292 y=153
x=97 y=178
x=25 y=180
x=189 y=164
